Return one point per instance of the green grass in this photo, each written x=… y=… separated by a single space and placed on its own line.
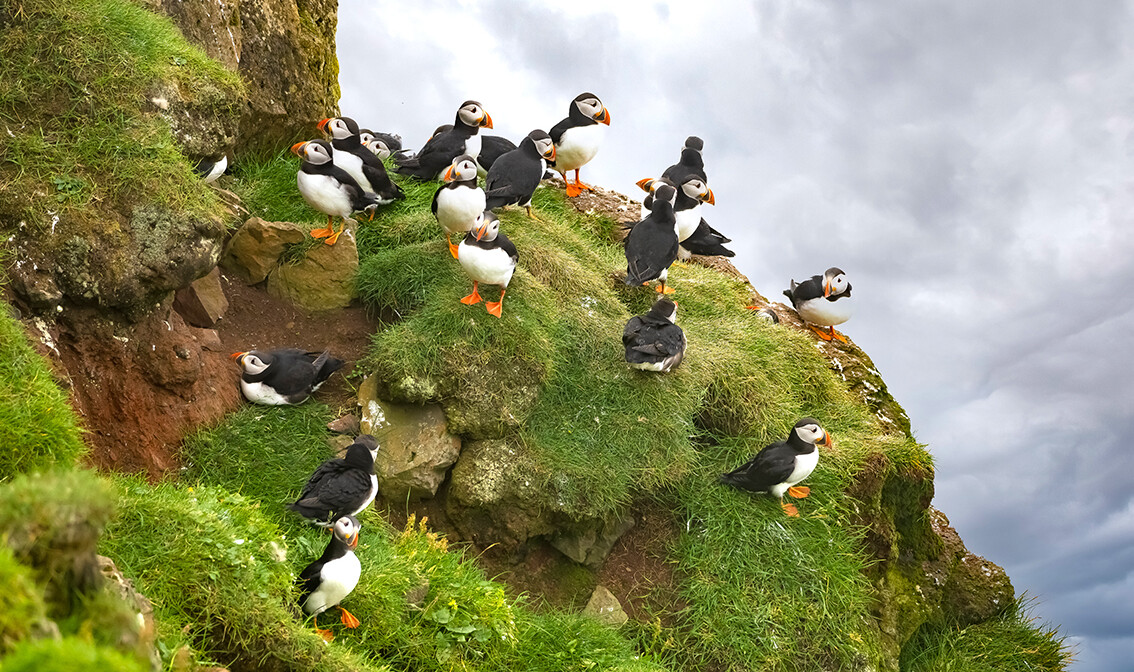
x=69 y=654
x=38 y=429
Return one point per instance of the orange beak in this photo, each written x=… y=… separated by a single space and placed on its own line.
x=552 y=157
x=352 y=541
x=479 y=232
x=826 y=289
x=239 y=357
x=710 y=199
x=448 y=176
x=827 y=440
x=605 y=118
x=487 y=121
x=644 y=184
x=322 y=125
x=297 y=148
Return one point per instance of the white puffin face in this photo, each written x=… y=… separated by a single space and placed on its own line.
x=696 y=189
x=316 y=154
x=472 y=114
x=346 y=529
x=545 y=147
x=252 y=364
x=364 y=137
x=834 y=282
x=812 y=433
x=378 y=147
x=465 y=169
x=338 y=129
x=486 y=228
x=593 y=108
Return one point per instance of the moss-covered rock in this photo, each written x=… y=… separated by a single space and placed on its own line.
x=321 y=279
x=23 y=614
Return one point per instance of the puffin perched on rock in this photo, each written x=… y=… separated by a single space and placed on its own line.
x=819 y=300
x=285 y=376
x=514 y=176
x=444 y=146
x=693 y=232
x=326 y=582
x=358 y=161
x=341 y=486
x=651 y=245
x=653 y=342
x=578 y=138
x=778 y=467
x=328 y=188
x=487 y=256
x=459 y=201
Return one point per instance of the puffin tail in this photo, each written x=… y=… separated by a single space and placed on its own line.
x=325 y=365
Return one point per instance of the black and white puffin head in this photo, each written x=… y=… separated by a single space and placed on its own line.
x=251 y=363
x=339 y=128
x=315 y=152
x=665 y=193
x=835 y=283
x=487 y=227
x=543 y=144
x=664 y=309
x=768 y=315
x=464 y=168
x=695 y=188
x=809 y=432
x=472 y=114
x=589 y=105
x=346 y=530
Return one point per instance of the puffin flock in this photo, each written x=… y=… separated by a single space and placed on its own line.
x=345 y=174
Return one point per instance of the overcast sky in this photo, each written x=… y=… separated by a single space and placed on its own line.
x=967 y=163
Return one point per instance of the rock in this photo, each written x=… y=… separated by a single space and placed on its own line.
x=348 y=424
x=202 y=303
x=144 y=640
x=977 y=589
x=493 y=495
x=605 y=607
x=255 y=248
x=339 y=443
x=416 y=447
x=322 y=280
x=590 y=544
x=37 y=287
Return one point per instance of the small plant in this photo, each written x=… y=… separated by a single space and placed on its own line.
x=68 y=187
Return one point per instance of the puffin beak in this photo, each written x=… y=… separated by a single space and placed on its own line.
x=710 y=199
x=487 y=121
x=644 y=184
x=827 y=440
x=297 y=148
x=322 y=125
x=448 y=176
x=552 y=157
x=352 y=541
x=479 y=232
x=826 y=288
x=605 y=118
x=239 y=357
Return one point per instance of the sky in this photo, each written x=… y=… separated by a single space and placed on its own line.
x=969 y=166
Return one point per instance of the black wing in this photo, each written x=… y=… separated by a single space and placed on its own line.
x=650 y=249
x=375 y=172
x=492 y=147
x=434 y=156
x=308 y=580
x=771 y=466
x=707 y=241
x=811 y=288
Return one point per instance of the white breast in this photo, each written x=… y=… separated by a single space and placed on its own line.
x=352 y=164
x=457 y=208
x=577 y=146
x=826 y=313
x=337 y=578
x=472 y=145
x=687 y=222
x=259 y=393
x=324 y=193
x=493 y=267
x=804 y=465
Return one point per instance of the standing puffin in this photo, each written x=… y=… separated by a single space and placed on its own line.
x=328 y=188
x=819 y=301
x=340 y=486
x=358 y=161
x=285 y=376
x=691 y=162
x=382 y=145
x=693 y=232
x=487 y=256
x=578 y=137
x=514 y=176
x=778 y=467
x=653 y=342
x=444 y=146
x=459 y=201
x=651 y=245
x=326 y=582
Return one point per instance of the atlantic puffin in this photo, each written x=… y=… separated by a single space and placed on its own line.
x=652 y=341
x=210 y=168
x=651 y=245
x=326 y=582
x=341 y=486
x=283 y=377
x=487 y=256
x=458 y=202
x=382 y=145
x=820 y=302
x=514 y=177
x=691 y=161
x=358 y=161
x=578 y=138
x=693 y=232
x=778 y=467
x=765 y=313
x=328 y=188
x=444 y=146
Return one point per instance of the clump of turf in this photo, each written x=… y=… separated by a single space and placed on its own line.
x=69 y=654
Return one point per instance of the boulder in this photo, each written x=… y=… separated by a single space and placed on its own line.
x=255 y=248
x=589 y=544
x=416 y=447
x=605 y=607
x=494 y=495
x=322 y=280
x=202 y=303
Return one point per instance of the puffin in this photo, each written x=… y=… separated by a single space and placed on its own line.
x=283 y=377
x=493 y=147
x=651 y=245
x=514 y=176
x=653 y=342
x=210 y=168
x=691 y=162
x=326 y=582
x=358 y=161
x=458 y=202
x=382 y=145
x=341 y=486
x=765 y=313
x=438 y=154
x=819 y=301
x=487 y=256
x=578 y=138
x=693 y=232
x=328 y=188
x=778 y=467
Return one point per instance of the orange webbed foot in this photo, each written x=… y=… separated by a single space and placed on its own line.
x=665 y=289
x=820 y=332
x=334 y=237
x=472 y=299
x=799 y=491
x=349 y=619
x=573 y=190
x=837 y=336
x=494 y=307
x=327 y=635
x=790 y=509
x=322 y=233
x=453 y=250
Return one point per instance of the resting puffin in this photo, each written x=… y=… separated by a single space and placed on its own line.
x=578 y=137
x=285 y=376
x=359 y=162
x=458 y=202
x=693 y=232
x=819 y=301
x=210 y=168
x=382 y=145
x=327 y=581
x=444 y=146
x=765 y=313
x=653 y=342
x=651 y=245
x=691 y=162
x=778 y=467
x=328 y=188
x=340 y=486
x=514 y=177
x=487 y=256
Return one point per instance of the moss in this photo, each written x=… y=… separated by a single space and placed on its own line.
x=21 y=602
x=70 y=654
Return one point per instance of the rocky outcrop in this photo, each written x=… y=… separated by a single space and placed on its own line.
x=322 y=279
x=255 y=249
x=202 y=303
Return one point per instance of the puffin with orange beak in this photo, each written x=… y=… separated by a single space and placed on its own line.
x=459 y=201
x=328 y=188
x=578 y=138
x=651 y=245
x=445 y=145
x=514 y=177
x=821 y=301
x=358 y=161
x=326 y=582
x=693 y=233
x=487 y=256
x=283 y=377
x=778 y=467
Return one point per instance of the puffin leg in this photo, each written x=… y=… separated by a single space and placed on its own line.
x=663 y=289
x=789 y=509
x=334 y=237
x=494 y=307
x=531 y=214
x=323 y=233
x=474 y=298
x=799 y=491
x=452 y=247
x=820 y=332
x=580 y=185
x=349 y=619
x=837 y=335
x=327 y=635
x=572 y=189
